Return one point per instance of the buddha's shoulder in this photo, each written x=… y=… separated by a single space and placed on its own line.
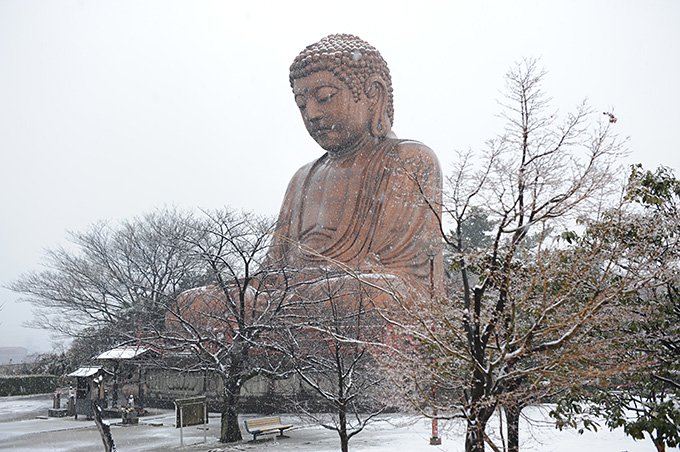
x=306 y=168
x=302 y=173
x=410 y=149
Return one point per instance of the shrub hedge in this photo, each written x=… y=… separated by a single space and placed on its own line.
x=27 y=384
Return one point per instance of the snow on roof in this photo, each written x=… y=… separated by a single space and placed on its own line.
x=85 y=372
x=123 y=352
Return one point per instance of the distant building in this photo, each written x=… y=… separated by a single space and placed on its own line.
x=15 y=354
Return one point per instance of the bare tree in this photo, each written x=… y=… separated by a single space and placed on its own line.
x=193 y=287
x=113 y=278
x=527 y=312
x=328 y=333
x=223 y=326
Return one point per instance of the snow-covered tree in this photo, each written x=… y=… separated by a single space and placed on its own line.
x=643 y=400
x=327 y=334
x=529 y=312
x=222 y=327
x=191 y=286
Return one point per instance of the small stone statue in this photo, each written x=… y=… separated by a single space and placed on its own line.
x=128 y=412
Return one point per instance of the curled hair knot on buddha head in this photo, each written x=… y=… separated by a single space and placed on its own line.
x=352 y=60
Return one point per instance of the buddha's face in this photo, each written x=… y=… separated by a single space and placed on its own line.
x=330 y=113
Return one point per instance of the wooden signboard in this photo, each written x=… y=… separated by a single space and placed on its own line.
x=191 y=411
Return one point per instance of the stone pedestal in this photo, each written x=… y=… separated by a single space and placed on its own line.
x=129 y=416
x=57 y=412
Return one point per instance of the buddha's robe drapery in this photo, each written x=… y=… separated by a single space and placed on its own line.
x=376 y=210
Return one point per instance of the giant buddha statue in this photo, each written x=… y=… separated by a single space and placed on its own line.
x=360 y=221
x=371 y=202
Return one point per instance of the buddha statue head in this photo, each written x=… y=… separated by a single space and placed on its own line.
x=344 y=91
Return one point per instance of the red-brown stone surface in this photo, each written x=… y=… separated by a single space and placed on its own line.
x=371 y=201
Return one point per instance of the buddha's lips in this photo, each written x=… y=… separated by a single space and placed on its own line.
x=321 y=130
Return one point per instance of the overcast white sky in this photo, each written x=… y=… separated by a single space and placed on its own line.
x=109 y=109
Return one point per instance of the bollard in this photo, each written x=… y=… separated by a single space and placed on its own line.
x=435 y=440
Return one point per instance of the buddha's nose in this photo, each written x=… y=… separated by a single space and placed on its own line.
x=312 y=111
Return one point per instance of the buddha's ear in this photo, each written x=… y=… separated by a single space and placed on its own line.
x=376 y=92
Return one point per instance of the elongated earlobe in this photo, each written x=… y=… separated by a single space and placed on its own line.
x=377 y=92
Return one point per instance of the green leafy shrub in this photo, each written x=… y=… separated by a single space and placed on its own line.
x=27 y=384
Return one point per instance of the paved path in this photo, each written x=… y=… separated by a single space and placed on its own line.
x=21 y=431
x=24 y=427
x=24 y=407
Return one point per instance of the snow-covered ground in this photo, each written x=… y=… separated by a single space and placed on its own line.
x=22 y=431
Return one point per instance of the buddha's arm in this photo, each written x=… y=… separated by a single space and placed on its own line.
x=409 y=223
x=284 y=232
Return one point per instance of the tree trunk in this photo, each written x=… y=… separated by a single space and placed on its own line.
x=229 y=429
x=475 y=431
x=342 y=431
x=480 y=412
x=104 y=429
x=344 y=443
x=660 y=445
x=474 y=436
x=513 y=412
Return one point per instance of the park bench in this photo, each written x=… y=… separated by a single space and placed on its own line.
x=264 y=425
